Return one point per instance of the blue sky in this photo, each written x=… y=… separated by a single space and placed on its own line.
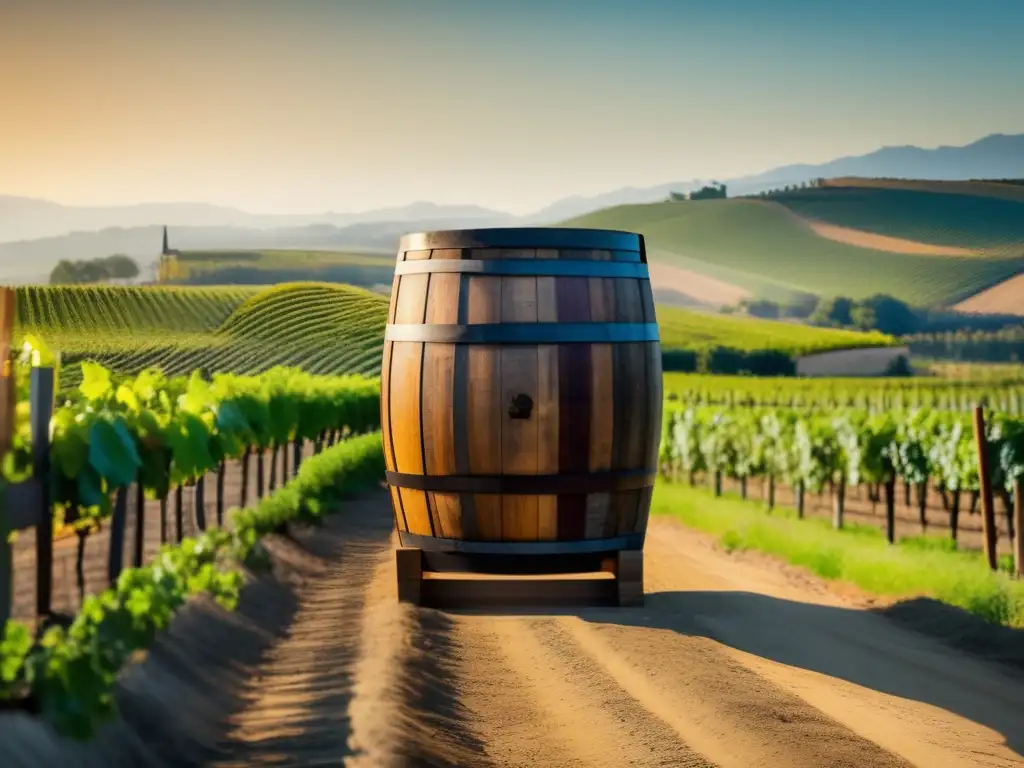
x=307 y=106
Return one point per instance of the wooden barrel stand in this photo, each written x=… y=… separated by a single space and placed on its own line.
x=440 y=580
x=521 y=401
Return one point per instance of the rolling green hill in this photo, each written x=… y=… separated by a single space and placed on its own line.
x=767 y=249
x=323 y=328
x=269 y=267
x=967 y=221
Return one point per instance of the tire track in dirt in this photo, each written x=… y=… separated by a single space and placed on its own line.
x=360 y=679
x=536 y=699
x=907 y=693
x=728 y=663
x=299 y=698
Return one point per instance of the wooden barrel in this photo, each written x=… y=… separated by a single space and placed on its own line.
x=521 y=391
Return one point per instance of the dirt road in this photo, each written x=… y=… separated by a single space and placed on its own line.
x=730 y=663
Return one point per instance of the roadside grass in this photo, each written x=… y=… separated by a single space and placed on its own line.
x=915 y=567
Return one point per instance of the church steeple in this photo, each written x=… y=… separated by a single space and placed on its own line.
x=166 y=249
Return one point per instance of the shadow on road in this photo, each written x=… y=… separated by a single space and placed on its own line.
x=865 y=648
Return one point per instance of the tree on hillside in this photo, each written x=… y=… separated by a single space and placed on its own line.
x=833 y=311
x=121 y=266
x=117 y=266
x=891 y=315
x=800 y=308
x=863 y=317
x=760 y=308
x=712 y=192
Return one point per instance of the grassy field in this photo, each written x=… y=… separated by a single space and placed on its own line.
x=859 y=555
x=268 y=267
x=1005 y=189
x=322 y=327
x=765 y=248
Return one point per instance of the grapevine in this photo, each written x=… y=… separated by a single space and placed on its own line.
x=817 y=447
x=69 y=676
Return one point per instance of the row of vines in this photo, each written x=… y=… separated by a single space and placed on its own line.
x=158 y=432
x=811 y=451
x=873 y=396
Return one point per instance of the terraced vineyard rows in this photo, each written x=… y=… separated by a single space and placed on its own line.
x=326 y=329
x=331 y=328
x=127 y=311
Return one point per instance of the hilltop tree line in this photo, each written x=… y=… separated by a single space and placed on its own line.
x=812 y=184
x=100 y=270
x=714 y=191
x=875 y=313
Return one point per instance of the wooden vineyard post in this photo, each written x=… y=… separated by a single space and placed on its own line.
x=8 y=394
x=259 y=474
x=220 y=494
x=1018 y=527
x=179 y=512
x=115 y=554
x=41 y=404
x=839 y=503
x=988 y=522
x=890 y=509
x=244 y=497
x=140 y=526
x=199 y=495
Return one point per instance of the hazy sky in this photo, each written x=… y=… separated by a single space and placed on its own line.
x=347 y=105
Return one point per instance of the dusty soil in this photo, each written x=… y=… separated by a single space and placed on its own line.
x=863 y=239
x=732 y=661
x=700 y=288
x=1006 y=298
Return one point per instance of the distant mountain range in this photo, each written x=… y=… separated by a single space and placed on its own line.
x=35 y=234
x=23 y=218
x=998 y=156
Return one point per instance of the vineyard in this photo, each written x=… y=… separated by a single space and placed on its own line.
x=217 y=329
x=1003 y=346
x=764 y=248
x=331 y=329
x=1002 y=392
x=157 y=435
x=136 y=449
x=847 y=448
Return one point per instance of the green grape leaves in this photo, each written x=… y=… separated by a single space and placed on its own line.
x=112 y=451
x=817 y=448
x=164 y=431
x=71 y=673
